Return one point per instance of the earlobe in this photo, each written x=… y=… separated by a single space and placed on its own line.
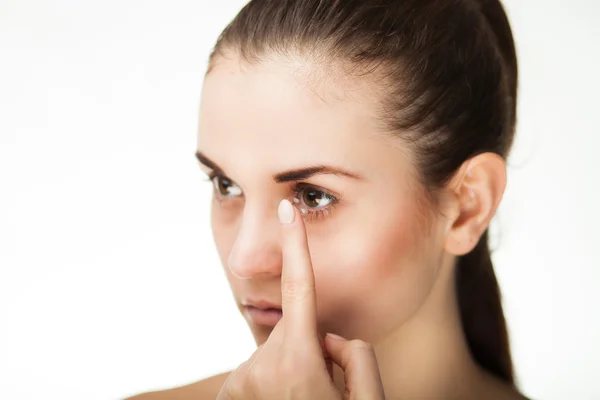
x=478 y=187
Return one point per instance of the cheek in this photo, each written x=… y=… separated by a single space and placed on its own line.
x=373 y=273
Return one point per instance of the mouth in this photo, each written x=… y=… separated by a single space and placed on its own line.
x=263 y=313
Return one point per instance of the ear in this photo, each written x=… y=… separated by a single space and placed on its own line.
x=476 y=189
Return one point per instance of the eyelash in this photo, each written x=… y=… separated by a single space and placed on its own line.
x=308 y=213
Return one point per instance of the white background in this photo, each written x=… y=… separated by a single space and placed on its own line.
x=109 y=280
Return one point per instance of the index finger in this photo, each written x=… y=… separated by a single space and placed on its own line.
x=299 y=302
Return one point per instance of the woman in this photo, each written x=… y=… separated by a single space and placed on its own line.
x=386 y=124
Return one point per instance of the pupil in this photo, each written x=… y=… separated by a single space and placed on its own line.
x=224 y=185
x=313 y=198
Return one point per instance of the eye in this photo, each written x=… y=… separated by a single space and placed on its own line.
x=313 y=202
x=315 y=199
x=225 y=187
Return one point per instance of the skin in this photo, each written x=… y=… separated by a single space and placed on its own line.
x=294 y=363
x=383 y=258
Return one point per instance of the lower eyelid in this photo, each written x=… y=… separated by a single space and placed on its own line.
x=315 y=215
x=318 y=215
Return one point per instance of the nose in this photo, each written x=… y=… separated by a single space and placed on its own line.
x=257 y=250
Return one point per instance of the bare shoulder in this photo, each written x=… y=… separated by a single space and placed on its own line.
x=205 y=389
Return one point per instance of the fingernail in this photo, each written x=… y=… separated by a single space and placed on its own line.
x=335 y=337
x=285 y=212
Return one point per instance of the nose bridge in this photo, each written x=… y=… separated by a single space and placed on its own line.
x=257 y=249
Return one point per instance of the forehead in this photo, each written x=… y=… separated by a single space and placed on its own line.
x=286 y=115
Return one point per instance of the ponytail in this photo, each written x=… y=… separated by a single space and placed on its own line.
x=481 y=312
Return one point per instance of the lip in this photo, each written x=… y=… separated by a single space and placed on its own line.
x=261 y=304
x=268 y=317
x=262 y=312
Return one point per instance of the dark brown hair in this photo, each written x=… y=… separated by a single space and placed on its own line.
x=446 y=71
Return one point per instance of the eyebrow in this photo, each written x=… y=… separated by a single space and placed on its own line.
x=297 y=174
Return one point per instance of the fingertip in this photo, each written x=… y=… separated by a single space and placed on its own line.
x=333 y=336
x=286 y=212
x=334 y=345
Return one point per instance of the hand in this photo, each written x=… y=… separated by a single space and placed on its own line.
x=293 y=362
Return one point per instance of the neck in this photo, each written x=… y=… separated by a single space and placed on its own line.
x=428 y=357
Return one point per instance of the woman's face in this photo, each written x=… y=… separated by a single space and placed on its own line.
x=375 y=245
